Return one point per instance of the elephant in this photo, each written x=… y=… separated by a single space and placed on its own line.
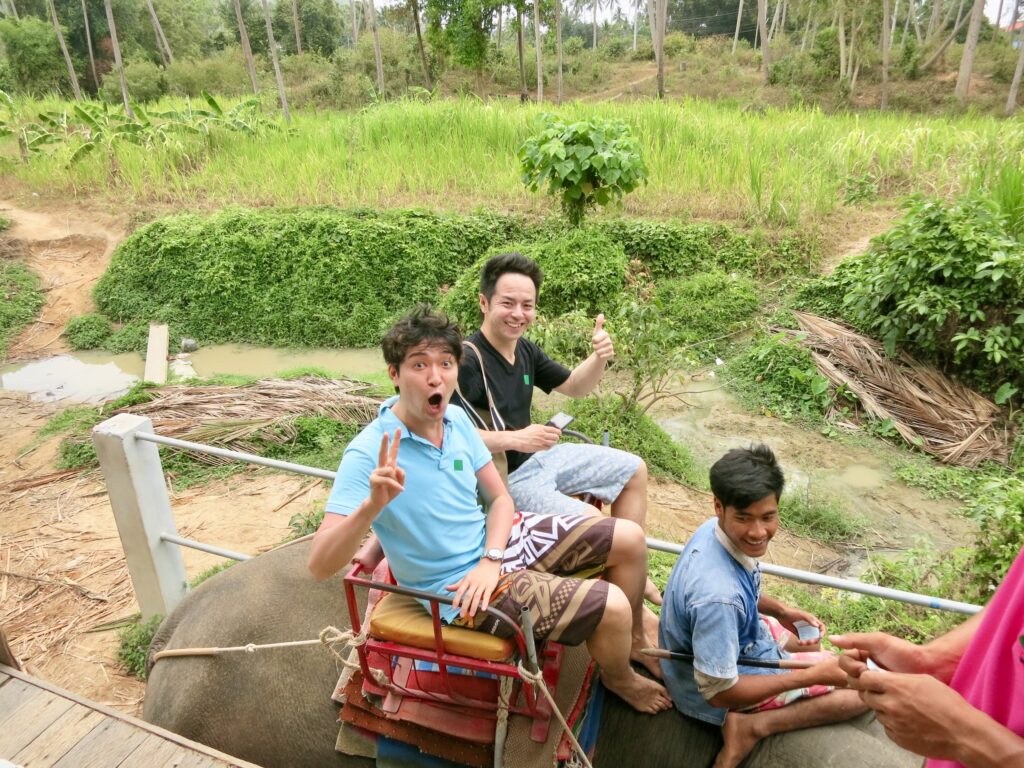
x=274 y=708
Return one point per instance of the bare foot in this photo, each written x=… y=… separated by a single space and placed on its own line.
x=739 y=740
x=649 y=639
x=652 y=593
x=642 y=694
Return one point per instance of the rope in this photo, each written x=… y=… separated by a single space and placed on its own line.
x=330 y=636
x=537 y=680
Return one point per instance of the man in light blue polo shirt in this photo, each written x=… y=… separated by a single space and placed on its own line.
x=412 y=476
x=714 y=609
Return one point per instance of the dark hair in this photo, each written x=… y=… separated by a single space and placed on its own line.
x=746 y=475
x=421 y=325
x=503 y=263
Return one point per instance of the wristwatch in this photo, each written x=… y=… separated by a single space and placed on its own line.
x=495 y=554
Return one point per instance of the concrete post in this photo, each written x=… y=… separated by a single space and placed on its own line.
x=142 y=510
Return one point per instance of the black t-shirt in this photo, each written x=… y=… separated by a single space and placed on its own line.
x=511 y=384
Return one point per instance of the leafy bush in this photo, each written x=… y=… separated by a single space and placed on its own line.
x=706 y=306
x=816 y=515
x=223 y=74
x=947 y=283
x=304 y=277
x=583 y=270
x=777 y=377
x=669 y=249
x=677 y=43
x=586 y=163
x=146 y=82
x=32 y=56
x=135 y=640
x=132 y=337
x=20 y=300
x=87 y=331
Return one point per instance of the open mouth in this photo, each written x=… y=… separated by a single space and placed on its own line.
x=435 y=400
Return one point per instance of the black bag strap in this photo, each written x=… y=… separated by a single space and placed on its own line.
x=496 y=420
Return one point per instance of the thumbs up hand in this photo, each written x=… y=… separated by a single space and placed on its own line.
x=601 y=341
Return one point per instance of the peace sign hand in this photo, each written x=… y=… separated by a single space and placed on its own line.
x=388 y=479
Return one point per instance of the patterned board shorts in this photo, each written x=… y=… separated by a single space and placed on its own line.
x=542 y=551
x=781 y=635
x=547 y=481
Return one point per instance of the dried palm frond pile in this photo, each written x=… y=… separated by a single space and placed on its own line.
x=243 y=418
x=940 y=416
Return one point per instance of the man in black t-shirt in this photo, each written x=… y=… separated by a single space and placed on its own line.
x=544 y=475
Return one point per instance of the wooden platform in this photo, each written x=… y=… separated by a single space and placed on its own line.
x=42 y=725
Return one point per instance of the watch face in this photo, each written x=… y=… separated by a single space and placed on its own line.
x=494 y=554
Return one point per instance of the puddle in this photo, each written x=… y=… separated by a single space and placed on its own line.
x=245 y=360
x=76 y=379
x=92 y=377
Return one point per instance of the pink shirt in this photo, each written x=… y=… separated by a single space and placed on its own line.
x=990 y=674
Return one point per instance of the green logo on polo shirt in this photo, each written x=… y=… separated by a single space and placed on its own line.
x=458 y=465
x=526 y=379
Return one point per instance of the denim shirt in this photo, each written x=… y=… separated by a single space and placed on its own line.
x=710 y=610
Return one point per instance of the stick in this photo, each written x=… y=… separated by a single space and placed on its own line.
x=765 y=663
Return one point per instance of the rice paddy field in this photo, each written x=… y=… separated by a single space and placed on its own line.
x=705 y=160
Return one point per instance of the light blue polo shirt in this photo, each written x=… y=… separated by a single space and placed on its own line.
x=433 y=533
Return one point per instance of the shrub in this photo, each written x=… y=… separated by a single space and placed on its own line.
x=677 y=43
x=586 y=163
x=20 y=300
x=135 y=640
x=583 y=270
x=87 y=331
x=32 y=56
x=947 y=283
x=777 y=377
x=706 y=306
x=303 y=277
x=223 y=74
x=146 y=82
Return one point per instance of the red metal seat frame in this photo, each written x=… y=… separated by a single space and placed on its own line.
x=444 y=693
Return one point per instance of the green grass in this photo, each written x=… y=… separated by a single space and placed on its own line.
x=135 y=639
x=816 y=515
x=705 y=159
x=20 y=300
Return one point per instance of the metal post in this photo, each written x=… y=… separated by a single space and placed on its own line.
x=142 y=511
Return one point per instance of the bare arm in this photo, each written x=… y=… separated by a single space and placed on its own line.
x=536 y=437
x=585 y=376
x=751 y=689
x=787 y=616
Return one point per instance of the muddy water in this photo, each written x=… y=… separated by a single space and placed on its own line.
x=859 y=476
x=92 y=377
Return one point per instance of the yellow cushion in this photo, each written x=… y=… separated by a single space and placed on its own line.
x=400 y=619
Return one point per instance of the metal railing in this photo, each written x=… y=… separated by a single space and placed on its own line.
x=130 y=462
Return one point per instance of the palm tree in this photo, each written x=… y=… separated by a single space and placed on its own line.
x=272 y=45
x=963 y=80
x=243 y=36
x=298 y=27
x=540 y=62
x=88 y=44
x=64 y=50
x=558 y=46
x=118 y=63
x=414 y=9
x=371 y=22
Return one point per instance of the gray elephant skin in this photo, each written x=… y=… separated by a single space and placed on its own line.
x=273 y=707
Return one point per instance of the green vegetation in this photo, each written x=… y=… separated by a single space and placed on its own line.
x=631 y=430
x=87 y=331
x=5 y=223
x=703 y=159
x=213 y=570
x=946 y=284
x=20 y=300
x=586 y=163
x=777 y=377
x=135 y=640
x=816 y=515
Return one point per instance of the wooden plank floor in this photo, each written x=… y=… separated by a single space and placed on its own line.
x=43 y=726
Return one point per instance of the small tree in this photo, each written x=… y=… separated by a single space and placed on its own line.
x=586 y=163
